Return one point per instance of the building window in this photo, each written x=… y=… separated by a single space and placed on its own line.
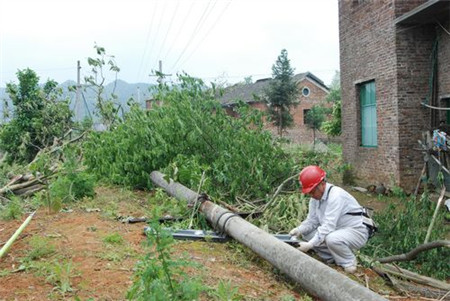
x=368 y=103
x=305 y=91
x=446 y=102
x=305 y=112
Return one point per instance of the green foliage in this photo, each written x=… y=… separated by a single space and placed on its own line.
x=167 y=205
x=57 y=273
x=114 y=238
x=284 y=213
x=189 y=170
x=289 y=298
x=314 y=118
x=59 y=276
x=282 y=92
x=107 y=109
x=160 y=277
x=13 y=210
x=237 y=156
x=331 y=160
x=40 y=116
x=404 y=227
x=41 y=247
x=71 y=184
x=225 y=292
x=348 y=174
x=332 y=127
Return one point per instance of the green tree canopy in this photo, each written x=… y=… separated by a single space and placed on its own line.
x=39 y=115
x=282 y=92
x=332 y=127
x=314 y=118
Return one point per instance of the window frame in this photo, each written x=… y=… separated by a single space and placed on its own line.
x=306 y=89
x=368 y=114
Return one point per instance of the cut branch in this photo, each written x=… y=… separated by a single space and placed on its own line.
x=414 y=252
x=411 y=288
x=383 y=269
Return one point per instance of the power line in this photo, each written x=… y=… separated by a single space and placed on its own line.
x=179 y=30
x=147 y=39
x=206 y=35
x=199 y=23
x=168 y=30
x=158 y=28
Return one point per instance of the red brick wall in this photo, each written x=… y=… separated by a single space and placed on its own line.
x=300 y=133
x=368 y=48
x=414 y=47
x=444 y=60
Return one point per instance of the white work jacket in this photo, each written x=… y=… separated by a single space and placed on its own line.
x=330 y=213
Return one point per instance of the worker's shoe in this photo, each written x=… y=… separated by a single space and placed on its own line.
x=350 y=269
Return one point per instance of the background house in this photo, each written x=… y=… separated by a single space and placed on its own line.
x=395 y=66
x=312 y=92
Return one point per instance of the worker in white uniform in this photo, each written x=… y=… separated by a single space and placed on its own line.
x=334 y=226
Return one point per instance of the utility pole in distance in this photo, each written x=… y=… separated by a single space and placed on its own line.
x=160 y=74
x=78 y=107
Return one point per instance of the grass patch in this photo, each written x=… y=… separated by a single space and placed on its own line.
x=41 y=247
x=114 y=238
x=13 y=210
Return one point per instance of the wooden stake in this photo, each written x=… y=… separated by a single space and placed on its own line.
x=441 y=198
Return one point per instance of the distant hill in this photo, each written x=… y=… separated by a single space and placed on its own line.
x=139 y=92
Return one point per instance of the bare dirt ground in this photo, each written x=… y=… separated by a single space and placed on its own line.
x=84 y=267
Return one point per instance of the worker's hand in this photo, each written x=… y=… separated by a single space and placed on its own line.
x=305 y=246
x=294 y=232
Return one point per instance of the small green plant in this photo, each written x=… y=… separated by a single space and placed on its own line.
x=4 y=273
x=158 y=275
x=225 y=292
x=40 y=247
x=13 y=210
x=60 y=274
x=114 y=238
x=43 y=198
x=289 y=298
x=398 y=192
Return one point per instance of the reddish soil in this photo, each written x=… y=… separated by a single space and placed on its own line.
x=101 y=272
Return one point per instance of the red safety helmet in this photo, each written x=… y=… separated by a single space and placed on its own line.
x=310 y=177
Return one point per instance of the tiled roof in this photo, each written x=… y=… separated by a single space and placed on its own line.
x=255 y=91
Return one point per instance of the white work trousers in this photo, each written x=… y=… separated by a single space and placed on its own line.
x=339 y=245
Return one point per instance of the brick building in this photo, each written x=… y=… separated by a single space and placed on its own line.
x=395 y=65
x=312 y=92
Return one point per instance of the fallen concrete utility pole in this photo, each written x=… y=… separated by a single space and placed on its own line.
x=312 y=275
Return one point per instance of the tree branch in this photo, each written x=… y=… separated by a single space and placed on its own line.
x=414 y=252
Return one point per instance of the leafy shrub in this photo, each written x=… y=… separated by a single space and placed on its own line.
x=40 y=115
x=236 y=154
x=72 y=184
x=160 y=277
x=404 y=227
x=13 y=210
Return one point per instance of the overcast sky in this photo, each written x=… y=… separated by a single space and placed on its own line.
x=216 y=40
